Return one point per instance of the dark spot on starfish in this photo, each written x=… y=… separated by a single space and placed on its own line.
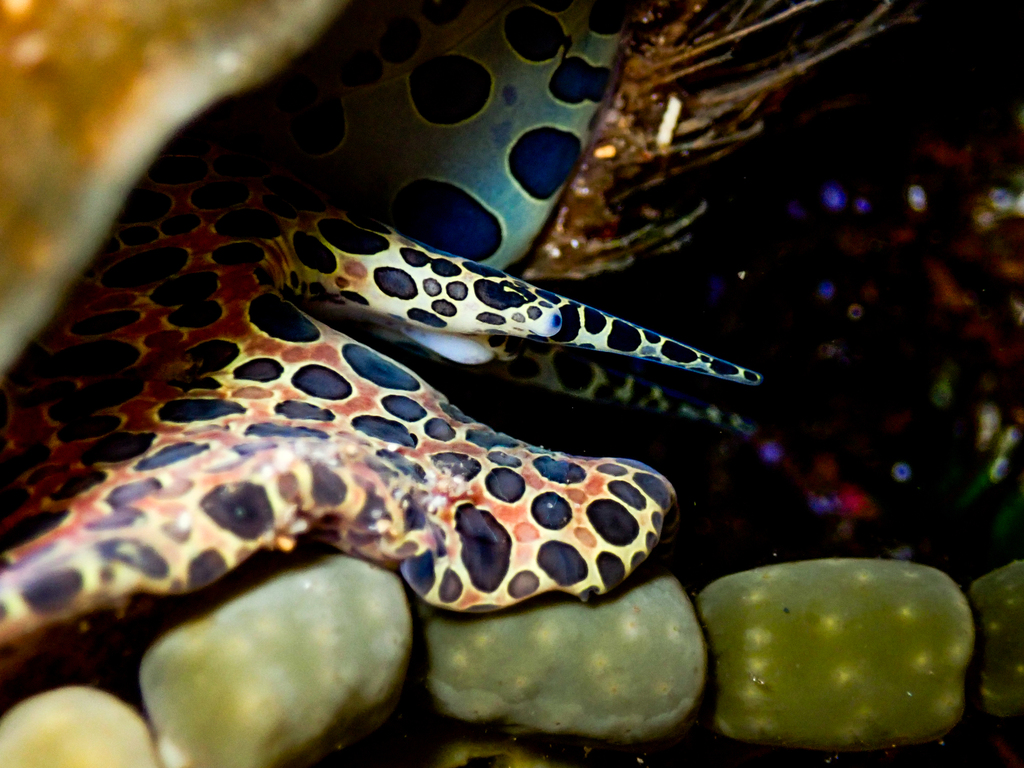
x=29 y=528
x=534 y=35
x=313 y=253
x=179 y=225
x=260 y=369
x=523 y=584
x=611 y=569
x=175 y=169
x=607 y=16
x=240 y=165
x=297 y=194
x=171 y=454
x=297 y=93
x=265 y=429
x=349 y=238
x=451 y=587
x=238 y=253
x=503 y=459
x=505 y=484
x=439 y=429
x=400 y=41
x=188 y=410
x=220 y=194
x=195 y=286
x=241 y=508
x=320 y=129
x=446 y=217
x=293 y=409
x=403 y=407
x=281 y=319
x=138 y=235
x=205 y=568
x=136 y=554
x=385 y=429
x=328 y=488
x=320 y=381
x=94 y=397
x=418 y=572
x=437 y=101
x=576 y=81
x=558 y=471
x=145 y=267
x=551 y=511
x=655 y=488
x=612 y=522
x=198 y=315
x=362 y=68
x=119 y=446
x=378 y=369
x=541 y=160
x=77 y=485
x=457 y=464
x=562 y=563
x=247 y=222
x=395 y=282
x=486 y=547
x=53 y=591
x=627 y=493
x=92 y=426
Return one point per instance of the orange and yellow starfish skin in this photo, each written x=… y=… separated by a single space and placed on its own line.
x=183 y=413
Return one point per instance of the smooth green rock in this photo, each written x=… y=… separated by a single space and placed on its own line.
x=836 y=654
x=75 y=727
x=306 y=661
x=428 y=741
x=998 y=599
x=625 y=669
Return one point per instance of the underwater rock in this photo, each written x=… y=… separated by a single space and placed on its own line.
x=88 y=93
x=627 y=668
x=310 y=659
x=840 y=654
x=998 y=599
x=75 y=727
x=441 y=742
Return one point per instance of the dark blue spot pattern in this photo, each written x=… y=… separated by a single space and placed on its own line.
x=447 y=218
x=575 y=81
x=542 y=159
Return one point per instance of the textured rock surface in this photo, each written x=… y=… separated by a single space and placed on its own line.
x=998 y=599
x=74 y=727
x=625 y=669
x=836 y=654
x=88 y=93
x=307 y=660
x=425 y=741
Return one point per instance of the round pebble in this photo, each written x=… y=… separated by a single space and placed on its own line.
x=307 y=661
x=998 y=599
x=624 y=669
x=837 y=654
x=75 y=727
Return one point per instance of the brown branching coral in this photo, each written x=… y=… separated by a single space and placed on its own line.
x=697 y=81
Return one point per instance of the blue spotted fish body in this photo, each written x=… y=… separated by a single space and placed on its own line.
x=456 y=122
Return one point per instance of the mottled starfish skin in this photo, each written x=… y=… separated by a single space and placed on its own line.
x=181 y=415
